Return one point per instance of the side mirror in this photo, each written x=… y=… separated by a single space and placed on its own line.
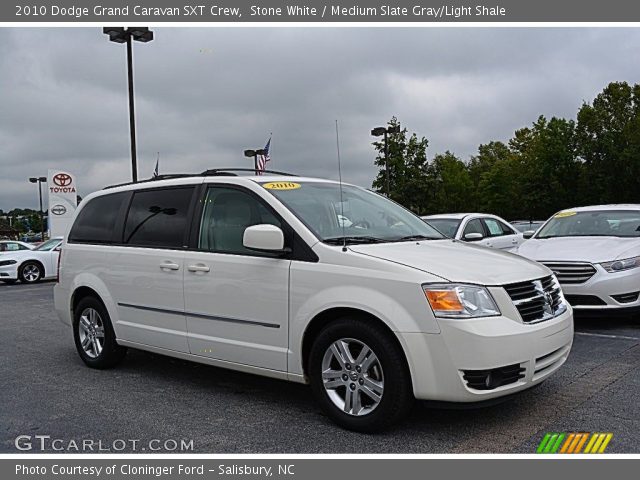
x=263 y=238
x=528 y=234
x=473 y=237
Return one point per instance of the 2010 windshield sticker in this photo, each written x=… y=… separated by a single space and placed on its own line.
x=564 y=214
x=281 y=185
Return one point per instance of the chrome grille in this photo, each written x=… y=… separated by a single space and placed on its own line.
x=571 y=273
x=537 y=300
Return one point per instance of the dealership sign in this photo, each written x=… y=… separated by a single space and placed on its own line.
x=62 y=201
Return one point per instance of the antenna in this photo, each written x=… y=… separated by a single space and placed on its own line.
x=344 y=237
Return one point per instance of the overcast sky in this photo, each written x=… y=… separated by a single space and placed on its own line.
x=205 y=94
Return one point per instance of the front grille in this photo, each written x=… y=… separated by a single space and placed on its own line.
x=537 y=300
x=584 y=300
x=571 y=273
x=493 y=378
x=626 y=297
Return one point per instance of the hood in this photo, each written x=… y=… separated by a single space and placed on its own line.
x=457 y=261
x=580 y=249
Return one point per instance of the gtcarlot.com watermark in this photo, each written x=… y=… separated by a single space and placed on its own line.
x=43 y=443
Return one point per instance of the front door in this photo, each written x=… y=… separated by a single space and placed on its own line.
x=236 y=300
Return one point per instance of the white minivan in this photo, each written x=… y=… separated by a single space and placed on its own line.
x=306 y=280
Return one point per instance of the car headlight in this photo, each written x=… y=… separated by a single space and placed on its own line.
x=620 y=265
x=4 y=263
x=451 y=300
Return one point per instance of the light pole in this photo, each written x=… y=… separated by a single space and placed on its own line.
x=40 y=181
x=254 y=154
x=127 y=35
x=377 y=132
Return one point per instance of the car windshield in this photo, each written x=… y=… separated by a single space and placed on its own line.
x=358 y=215
x=599 y=223
x=48 y=245
x=448 y=226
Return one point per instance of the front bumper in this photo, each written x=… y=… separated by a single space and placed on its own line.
x=9 y=272
x=605 y=286
x=438 y=361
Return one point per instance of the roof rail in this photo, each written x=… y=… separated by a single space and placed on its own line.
x=229 y=172
x=223 y=172
x=166 y=176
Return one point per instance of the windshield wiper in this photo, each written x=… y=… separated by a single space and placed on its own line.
x=353 y=239
x=417 y=237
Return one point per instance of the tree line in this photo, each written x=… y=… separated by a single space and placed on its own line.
x=550 y=165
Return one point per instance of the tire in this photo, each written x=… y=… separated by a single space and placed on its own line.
x=30 y=272
x=9 y=282
x=94 y=336
x=385 y=374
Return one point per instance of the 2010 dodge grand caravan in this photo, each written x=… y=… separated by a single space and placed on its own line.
x=298 y=279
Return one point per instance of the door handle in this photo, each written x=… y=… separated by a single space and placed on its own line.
x=198 y=267
x=514 y=241
x=168 y=265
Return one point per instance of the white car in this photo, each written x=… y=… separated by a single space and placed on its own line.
x=486 y=230
x=260 y=274
x=595 y=253
x=31 y=266
x=14 y=246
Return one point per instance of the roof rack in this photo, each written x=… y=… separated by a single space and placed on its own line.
x=229 y=172
x=222 y=172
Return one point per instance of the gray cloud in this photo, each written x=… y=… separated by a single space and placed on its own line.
x=203 y=95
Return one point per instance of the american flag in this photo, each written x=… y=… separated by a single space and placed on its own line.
x=263 y=159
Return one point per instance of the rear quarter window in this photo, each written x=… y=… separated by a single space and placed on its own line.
x=96 y=221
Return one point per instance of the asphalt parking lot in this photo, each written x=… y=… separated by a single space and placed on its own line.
x=47 y=390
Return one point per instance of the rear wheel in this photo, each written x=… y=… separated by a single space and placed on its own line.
x=94 y=336
x=359 y=375
x=30 y=272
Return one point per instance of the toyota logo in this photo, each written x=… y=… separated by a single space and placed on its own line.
x=58 y=209
x=62 y=179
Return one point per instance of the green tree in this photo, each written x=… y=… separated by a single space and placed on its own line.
x=608 y=140
x=453 y=190
x=409 y=182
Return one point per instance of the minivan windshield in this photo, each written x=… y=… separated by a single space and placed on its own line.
x=596 y=223
x=358 y=215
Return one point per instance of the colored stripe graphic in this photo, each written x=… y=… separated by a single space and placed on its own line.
x=574 y=442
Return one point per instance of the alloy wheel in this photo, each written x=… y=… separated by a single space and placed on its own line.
x=352 y=376
x=31 y=272
x=91 y=332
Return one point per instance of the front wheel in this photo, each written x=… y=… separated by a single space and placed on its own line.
x=94 y=336
x=30 y=272
x=359 y=375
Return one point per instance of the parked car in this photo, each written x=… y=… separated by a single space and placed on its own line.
x=369 y=304
x=595 y=253
x=31 y=266
x=525 y=226
x=487 y=230
x=14 y=246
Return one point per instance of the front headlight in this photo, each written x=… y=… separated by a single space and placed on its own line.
x=451 y=300
x=620 y=265
x=4 y=263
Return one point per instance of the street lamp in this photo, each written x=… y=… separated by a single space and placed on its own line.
x=40 y=181
x=126 y=35
x=378 y=132
x=254 y=154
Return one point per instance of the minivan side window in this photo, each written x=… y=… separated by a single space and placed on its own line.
x=158 y=217
x=226 y=214
x=96 y=221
